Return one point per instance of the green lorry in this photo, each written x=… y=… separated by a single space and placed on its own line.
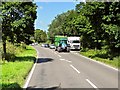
x=61 y=44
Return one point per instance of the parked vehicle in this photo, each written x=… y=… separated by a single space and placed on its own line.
x=74 y=43
x=42 y=45
x=34 y=44
x=47 y=45
x=61 y=44
x=52 y=46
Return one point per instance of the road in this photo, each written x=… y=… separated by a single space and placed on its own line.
x=70 y=70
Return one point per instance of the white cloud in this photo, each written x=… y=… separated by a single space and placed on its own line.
x=40 y=7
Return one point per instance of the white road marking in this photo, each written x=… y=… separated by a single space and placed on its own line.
x=59 y=56
x=91 y=84
x=66 y=60
x=100 y=63
x=97 y=61
x=62 y=59
x=75 y=69
x=31 y=72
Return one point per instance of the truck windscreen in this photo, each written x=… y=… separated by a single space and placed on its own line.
x=76 y=41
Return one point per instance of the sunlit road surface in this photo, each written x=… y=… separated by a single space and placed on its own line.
x=70 y=70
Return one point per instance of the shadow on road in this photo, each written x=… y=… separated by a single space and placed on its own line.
x=11 y=86
x=25 y=58
x=51 y=88
x=44 y=60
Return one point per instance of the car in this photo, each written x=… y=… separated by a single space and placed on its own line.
x=47 y=45
x=36 y=43
x=52 y=46
x=43 y=45
x=32 y=44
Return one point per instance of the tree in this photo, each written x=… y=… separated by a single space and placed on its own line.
x=17 y=22
x=40 y=36
x=105 y=20
x=97 y=23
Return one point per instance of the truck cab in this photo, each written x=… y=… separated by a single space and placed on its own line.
x=74 y=43
x=61 y=44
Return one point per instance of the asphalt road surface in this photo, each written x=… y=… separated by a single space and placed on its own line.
x=70 y=70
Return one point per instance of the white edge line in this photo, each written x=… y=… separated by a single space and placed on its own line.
x=101 y=63
x=74 y=68
x=68 y=61
x=91 y=83
x=31 y=72
x=98 y=62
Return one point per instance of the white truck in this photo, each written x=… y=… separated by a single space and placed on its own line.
x=74 y=43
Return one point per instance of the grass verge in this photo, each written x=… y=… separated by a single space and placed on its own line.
x=100 y=55
x=14 y=73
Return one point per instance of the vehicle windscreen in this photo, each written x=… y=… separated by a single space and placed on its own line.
x=76 y=41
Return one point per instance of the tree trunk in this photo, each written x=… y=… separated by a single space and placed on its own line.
x=4 y=49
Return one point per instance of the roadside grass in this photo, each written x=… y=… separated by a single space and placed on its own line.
x=102 y=56
x=15 y=72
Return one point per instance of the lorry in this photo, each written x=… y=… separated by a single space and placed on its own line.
x=74 y=43
x=61 y=44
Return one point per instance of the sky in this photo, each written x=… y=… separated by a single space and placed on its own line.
x=47 y=11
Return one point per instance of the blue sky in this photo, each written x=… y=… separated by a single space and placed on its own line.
x=47 y=11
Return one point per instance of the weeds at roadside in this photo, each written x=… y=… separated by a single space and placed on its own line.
x=15 y=71
x=102 y=56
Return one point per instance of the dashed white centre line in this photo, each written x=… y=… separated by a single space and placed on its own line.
x=75 y=69
x=91 y=84
x=59 y=56
x=62 y=59
x=65 y=60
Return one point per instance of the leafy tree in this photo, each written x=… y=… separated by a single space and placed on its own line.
x=17 y=22
x=105 y=20
x=111 y=25
x=97 y=23
x=40 y=36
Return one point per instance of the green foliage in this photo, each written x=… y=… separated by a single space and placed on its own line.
x=14 y=73
x=18 y=21
x=97 y=23
x=12 y=51
x=40 y=36
x=102 y=56
x=48 y=41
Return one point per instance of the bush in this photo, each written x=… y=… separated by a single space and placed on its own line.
x=9 y=56
x=14 y=73
x=103 y=56
x=12 y=50
x=23 y=45
x=117 y=59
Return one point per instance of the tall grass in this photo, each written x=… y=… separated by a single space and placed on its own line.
x=12 y=51
x=15 y=71
x=102 y=56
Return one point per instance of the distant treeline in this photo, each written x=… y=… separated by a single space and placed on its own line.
x=97 y=23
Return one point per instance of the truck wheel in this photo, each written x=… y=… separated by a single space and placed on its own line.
x=55 y=49
x=58 y=49
x=68 y=49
